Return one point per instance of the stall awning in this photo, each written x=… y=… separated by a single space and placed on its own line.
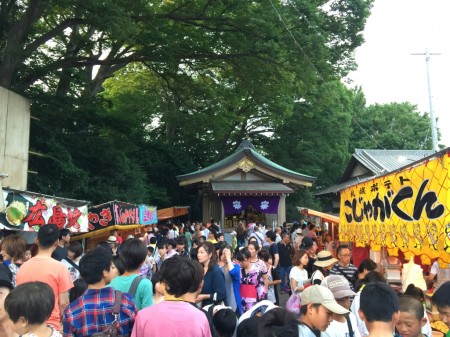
x=324 y=216
x=249 y=187
x=101 y=232
x=172 y=212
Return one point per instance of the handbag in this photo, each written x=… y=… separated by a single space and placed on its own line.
x=294 y=303
x=112 y=330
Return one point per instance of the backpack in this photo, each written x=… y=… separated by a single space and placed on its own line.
x=112 y=330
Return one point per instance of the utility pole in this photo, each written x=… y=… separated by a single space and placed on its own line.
x=430 y=98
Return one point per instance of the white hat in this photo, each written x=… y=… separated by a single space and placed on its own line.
x=321 y=295
x=338 y=285
x=325 y=259
x=233 y=233
x=299 y=231
x=111 y=239
x=130 y=237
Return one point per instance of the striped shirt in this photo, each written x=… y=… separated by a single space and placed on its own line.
x=347 y=272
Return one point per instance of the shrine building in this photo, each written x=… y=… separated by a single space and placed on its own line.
x=244 y=186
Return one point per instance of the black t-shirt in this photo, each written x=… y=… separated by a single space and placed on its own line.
x=285 y=254
x=59 y=253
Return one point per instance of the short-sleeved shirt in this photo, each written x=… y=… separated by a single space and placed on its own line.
x=300 y=275
x=339 y=329
x=285 y=254
x=93 y=312
x=348 y=271
x=59 y=253
x=144 y=293
x=52 y=272
x=181 y=319
x=260 y=266
x=273 y=249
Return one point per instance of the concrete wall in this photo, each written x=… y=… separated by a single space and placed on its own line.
x=14 y=138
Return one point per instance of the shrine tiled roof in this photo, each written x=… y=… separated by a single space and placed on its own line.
x=376 y=163
x=246 y=149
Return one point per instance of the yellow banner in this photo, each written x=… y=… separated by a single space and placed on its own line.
x=408 y=210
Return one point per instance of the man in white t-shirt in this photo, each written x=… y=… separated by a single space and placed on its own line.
x=341 y=291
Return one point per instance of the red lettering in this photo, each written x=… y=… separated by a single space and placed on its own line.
x=35 y=216
x=58 y=217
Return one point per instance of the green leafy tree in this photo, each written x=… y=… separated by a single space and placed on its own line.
x=390 y=126
x=187 y=77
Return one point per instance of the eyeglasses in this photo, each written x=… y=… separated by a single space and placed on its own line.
x=345 y=255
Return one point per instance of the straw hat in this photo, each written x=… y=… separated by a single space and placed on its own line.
x=325 y=259
x=111 y=239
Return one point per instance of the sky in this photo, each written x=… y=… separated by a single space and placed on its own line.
x=387 y=72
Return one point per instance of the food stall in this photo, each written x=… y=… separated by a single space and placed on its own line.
x=27 y=211
x=172 y=212
x=127 y=218
x=406 y=212
x=326 y=221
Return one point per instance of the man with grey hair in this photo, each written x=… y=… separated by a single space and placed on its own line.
x=285 y=250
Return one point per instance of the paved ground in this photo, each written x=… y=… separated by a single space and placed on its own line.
x=283 y=298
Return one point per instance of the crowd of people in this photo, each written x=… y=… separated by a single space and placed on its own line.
x=188 y=281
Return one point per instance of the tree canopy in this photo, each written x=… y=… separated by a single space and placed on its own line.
x=130 y=94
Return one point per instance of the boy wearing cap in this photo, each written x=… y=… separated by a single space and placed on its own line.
x=342 y=325
x=318 y=307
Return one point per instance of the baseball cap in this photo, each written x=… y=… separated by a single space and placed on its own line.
x=233 y=233
x=321 y=295
x=299 y=231
x=306 y=243
x=338 y=285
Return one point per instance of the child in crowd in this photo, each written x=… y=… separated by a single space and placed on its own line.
x=27 y=255
x=150 y=261
x=223 y=320
x=441 y=298
x=158 y=288
x=411 y=318
x=318 y=307
x=371 y=277
x=418 y=294
x=29 y=306
x=379 y=308
x=171 y=248
x=274 y=278
x=162 y=252
x=133 y=254
x=176 y=315
x=278 y=322
x=252 y=285
x=181 y=246
x=341 y=325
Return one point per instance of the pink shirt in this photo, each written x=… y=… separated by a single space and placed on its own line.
x=171 y=319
